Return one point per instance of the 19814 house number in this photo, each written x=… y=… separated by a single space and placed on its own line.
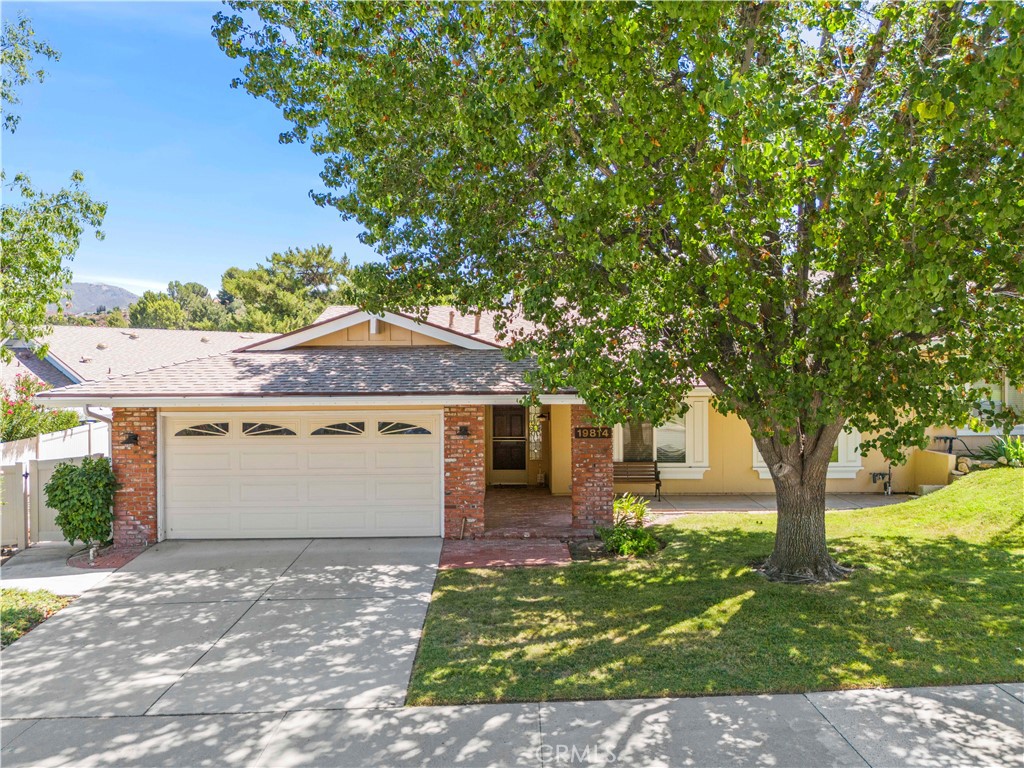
x=585 y=433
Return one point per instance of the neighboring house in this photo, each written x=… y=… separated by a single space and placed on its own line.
x=362 y=425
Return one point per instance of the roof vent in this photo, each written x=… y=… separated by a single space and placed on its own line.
x=101 y=345
x=133 y=335
x=451 y=319
x=205 y=340
x=85 y=360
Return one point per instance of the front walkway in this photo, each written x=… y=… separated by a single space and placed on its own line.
x=975 y=725
x=524 y=512
x=764 y=502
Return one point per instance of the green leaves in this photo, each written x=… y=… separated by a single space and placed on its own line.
x=83 y=496
x=813 y=212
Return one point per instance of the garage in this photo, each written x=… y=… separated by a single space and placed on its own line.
x=298 y=474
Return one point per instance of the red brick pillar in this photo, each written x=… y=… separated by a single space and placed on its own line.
x=592 y=475
x=464 y=471
x=135 y=469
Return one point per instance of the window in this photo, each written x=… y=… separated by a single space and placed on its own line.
x=259 y=429
x=845 y=463
x=400 y=428
x=535 y=436
x=342 y=428
x=997 y=398
x=216 y=429
x=679 y=446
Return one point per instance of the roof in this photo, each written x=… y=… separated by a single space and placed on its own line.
x=446 y=318
x=92 y=353
x=321 y=372
x=27 y=363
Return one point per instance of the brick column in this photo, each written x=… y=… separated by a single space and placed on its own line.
x=135 y=469
x=464 y=471
x=592 y=475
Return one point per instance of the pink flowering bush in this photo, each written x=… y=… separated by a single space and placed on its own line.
x=21 y=418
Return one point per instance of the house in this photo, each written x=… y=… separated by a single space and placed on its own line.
x=387 y=425
x=89 y=353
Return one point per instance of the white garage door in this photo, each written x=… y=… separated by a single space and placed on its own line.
x=298 y=474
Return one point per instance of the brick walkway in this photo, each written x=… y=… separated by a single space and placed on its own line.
x=527 y=512
x=512 y=553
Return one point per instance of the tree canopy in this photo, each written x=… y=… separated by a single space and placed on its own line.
x=813 y=207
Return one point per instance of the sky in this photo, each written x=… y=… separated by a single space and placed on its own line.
x=191 y=169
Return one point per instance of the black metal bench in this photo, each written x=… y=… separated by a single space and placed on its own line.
x=638 y=472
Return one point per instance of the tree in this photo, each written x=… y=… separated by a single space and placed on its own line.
x=40 y=230
x=289 y=291
x=815 y=208
x=115 y=318
x=202 y=311
x=157 y=310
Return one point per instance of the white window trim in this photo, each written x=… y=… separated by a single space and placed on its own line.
x=695 y=420
x=848 y=467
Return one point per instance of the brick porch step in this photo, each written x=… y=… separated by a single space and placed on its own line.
x=559 y=534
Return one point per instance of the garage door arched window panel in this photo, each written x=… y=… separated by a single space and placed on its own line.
x=214 y=429
x=401 y=428
x=342 y=428
x=263 y=429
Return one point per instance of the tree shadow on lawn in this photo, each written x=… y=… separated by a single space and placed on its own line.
x=695 y=619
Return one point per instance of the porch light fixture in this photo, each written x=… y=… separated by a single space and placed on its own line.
x=130 y=439
x=462 y=431
x=543 y=417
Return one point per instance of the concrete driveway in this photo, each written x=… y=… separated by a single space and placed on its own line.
x=231 y=627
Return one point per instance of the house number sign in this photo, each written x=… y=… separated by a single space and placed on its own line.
x=585 y=433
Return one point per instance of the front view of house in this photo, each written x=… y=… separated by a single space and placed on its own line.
x=384 y=425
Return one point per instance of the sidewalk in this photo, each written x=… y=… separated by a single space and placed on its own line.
x=954 y=726
x=44 y=566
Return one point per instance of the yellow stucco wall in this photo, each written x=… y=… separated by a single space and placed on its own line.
x=360 y=336
x=561 y=450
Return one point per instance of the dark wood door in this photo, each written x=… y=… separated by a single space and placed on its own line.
x=508 y=437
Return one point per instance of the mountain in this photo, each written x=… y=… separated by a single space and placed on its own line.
x=87 y=297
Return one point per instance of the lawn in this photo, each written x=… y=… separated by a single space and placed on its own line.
x=20 y=610
x=935 y=599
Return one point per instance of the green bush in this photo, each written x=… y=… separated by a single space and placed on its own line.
x=629 y=511
x=628 y=542
x=21 y=418
x=83 y=496
x=1009 y=448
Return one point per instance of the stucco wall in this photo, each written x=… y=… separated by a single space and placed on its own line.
x=561 y=449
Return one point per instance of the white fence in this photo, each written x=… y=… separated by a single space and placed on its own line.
x=27 y=466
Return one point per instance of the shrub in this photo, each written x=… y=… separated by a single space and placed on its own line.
x=629 y=511
x=1009 y=448
x=628 y=542
x=83 y=496
x=21 y=418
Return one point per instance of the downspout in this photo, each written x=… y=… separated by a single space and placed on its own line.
x=110 y=432
x=98 y=416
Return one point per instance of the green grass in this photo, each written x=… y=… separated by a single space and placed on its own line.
x=935 y=599
x=21 y=610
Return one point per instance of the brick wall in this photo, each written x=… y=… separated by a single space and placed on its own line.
x=464 y=471
x=592 y=475
x=135 y=468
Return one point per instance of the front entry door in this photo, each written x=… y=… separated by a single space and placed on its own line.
x=508 y=444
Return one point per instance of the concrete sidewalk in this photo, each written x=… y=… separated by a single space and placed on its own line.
x=954 y=726
x=44 y=566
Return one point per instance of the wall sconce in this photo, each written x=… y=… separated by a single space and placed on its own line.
x=462 y=431
x=543 y=417
x=130 y=439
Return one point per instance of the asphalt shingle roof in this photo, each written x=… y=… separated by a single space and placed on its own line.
x=323 y=371
x=95 y=353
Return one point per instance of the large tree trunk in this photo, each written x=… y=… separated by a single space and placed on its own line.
x=801 y=553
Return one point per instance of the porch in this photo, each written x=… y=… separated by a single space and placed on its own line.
x=531 y=512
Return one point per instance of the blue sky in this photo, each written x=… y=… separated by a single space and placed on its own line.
x=191 y=169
